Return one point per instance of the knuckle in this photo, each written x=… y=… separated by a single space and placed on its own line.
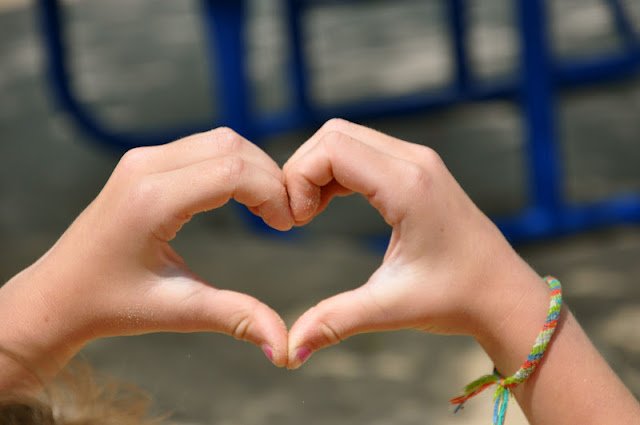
x=333 y=140
x=418 y=179
x=416 y=183
x=336 y=124
x=223 y=131
x=134 y=160
x=241 y=327
x=241 y=322
x=429 y=157
x=330 y=334
x=143 y=194
x=143 y=209
x=226 y=140
x=231 y=169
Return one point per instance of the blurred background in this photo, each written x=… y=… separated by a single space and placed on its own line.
x=145 y=71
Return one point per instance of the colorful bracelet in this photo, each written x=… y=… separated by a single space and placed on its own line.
x=501 y=396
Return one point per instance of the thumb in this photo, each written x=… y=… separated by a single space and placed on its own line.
x=333 y=320
x=197 y=307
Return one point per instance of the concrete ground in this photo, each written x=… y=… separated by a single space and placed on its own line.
x=141 y=65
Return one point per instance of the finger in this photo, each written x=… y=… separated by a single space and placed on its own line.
x=175 y=196
x=180 y=304
x=334 y=320
x=380 y=141
x=196 y=148
x=327 y=193
x=385 y=180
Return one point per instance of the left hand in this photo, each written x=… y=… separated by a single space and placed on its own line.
x=447 y=268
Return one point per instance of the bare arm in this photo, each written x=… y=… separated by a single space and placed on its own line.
x=574 y=384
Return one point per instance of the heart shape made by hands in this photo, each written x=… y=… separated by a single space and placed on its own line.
x=438 y=274
x=432 y=262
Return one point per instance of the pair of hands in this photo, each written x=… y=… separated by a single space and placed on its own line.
x=113 y=271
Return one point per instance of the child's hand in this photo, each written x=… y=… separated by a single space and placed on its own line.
x=446 y=266
x=113 y=271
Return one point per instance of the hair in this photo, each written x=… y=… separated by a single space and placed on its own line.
x=78 y=396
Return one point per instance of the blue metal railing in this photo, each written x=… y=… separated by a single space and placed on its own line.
x=534 y=86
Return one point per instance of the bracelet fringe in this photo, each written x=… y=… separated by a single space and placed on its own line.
x=504 y=385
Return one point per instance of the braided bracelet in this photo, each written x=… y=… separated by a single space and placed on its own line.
x=504 y=385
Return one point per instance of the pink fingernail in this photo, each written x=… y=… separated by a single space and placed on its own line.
x=303 y=354
x=266 y=349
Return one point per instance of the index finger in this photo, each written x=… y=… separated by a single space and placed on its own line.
x=163 y=202
x=199 y=147
x=376 y=139
x=385 y=180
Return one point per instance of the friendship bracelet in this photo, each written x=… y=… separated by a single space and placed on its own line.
x=504 y=385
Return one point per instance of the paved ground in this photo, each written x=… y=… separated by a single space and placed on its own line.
x=140 y=65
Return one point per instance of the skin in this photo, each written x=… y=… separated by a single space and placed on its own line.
x=447 y=268
x=113 y=271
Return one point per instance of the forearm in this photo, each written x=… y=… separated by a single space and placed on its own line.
x=573 y=384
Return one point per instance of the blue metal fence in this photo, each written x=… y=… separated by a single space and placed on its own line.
x=534 y=86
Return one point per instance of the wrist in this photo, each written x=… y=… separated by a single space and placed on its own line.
x=517 y=313
x=37 y=335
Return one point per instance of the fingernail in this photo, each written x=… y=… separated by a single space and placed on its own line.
x=266 y=349
x=303 y=354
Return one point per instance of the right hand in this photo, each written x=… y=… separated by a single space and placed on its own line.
x=446 y=264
